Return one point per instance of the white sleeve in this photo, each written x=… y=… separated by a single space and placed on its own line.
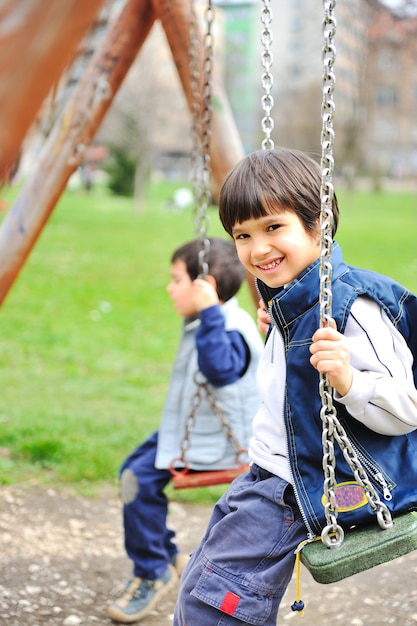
x=382 y=395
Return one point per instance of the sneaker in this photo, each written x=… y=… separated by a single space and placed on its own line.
x=141 y=596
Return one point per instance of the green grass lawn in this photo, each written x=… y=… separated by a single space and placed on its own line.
x=88 y=333
x=378 y=231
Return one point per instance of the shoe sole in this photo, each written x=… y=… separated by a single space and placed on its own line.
x=117 y=615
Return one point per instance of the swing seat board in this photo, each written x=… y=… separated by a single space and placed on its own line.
x=186 y=479
x=361 y=549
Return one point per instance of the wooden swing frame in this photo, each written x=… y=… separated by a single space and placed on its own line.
x=32 y=64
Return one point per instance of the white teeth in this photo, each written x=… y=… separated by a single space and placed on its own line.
x=269 y=266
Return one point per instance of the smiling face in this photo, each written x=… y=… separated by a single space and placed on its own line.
x=276 y=248
x=270 y=203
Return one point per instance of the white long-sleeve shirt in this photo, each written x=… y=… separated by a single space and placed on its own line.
x=382 y=395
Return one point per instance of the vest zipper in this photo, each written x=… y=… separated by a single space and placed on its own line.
x=375 y=475
x=311 y=535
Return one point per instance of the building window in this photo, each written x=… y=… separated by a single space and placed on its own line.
x=386 y=96
x=388 y=61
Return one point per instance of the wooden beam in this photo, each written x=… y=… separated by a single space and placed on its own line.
x=74 y=131
x=37 y=40
x=226 y=146
x=64 y=149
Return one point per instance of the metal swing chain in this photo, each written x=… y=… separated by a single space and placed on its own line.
x=203 y=388
x=328 y=412
x=195 y=102
x=201 y=95
x=267 y=78
x=201 y=107
x=332 y=534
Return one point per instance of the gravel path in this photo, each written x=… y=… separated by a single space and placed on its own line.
x=62 y=562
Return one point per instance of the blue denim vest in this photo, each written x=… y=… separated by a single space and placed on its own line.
x=390 y=462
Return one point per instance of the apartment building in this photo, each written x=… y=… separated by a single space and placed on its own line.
x=375 y=95
x=376 y=82
x=389 y=131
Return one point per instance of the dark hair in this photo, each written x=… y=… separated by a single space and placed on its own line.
x=266 y=181
x=223 y=264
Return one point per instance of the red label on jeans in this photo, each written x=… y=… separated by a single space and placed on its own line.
x=230 y=602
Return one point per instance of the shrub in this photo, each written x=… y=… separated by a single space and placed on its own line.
x=121 y=168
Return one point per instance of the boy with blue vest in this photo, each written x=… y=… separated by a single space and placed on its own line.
x=270 y=204
x=221 y=343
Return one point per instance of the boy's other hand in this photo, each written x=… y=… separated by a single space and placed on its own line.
x=204 y=293
x=263 y=320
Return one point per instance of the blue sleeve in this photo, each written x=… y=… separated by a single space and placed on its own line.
x=223 y=356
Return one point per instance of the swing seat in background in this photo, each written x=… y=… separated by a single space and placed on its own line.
x=361 y=549
x=186 y=478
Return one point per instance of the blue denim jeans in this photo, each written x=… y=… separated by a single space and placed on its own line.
x=240 y=571
x=148 y=541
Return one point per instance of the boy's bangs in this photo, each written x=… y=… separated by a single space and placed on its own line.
x=249 y=206
x=241 y=202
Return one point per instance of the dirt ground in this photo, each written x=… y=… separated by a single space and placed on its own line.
x=62 y=562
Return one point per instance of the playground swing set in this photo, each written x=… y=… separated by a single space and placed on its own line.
x=336 y=554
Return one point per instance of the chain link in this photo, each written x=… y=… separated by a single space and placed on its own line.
x=201 y=111
x=332 y=534
x=195 y=100
x=203 y=390
x=267 y=78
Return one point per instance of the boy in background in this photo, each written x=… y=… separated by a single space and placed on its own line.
x=220 y=340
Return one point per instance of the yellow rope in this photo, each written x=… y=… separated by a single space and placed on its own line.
x=298 y=605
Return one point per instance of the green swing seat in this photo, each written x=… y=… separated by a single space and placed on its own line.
x=361 y=549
